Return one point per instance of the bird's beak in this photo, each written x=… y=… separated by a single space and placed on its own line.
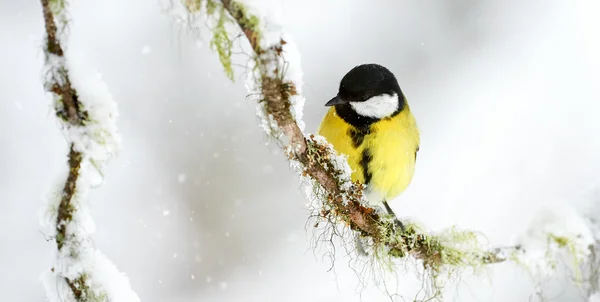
x=336 y=101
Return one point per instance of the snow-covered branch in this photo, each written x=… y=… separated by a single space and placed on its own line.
x=275 y=83
x=87 y=115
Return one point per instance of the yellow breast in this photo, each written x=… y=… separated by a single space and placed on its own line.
x=382 y=157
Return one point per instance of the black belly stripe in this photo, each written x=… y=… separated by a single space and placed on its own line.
x=366 y=158
x=358 y=135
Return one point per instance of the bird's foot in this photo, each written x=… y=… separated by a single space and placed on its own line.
x=399 y=224
x=383 y=212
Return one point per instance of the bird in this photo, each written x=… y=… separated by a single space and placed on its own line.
x=369 y=121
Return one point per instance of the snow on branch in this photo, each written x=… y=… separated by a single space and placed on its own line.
x=87 y=115
x=275 y=82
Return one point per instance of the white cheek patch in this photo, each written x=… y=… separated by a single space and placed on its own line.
x=378 y=106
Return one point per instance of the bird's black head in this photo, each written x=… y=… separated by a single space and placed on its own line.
x=368 y=93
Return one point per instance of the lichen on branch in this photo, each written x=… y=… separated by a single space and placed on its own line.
x=312 y=154
x=275 y=83
x=67 y=108
x=86 y=113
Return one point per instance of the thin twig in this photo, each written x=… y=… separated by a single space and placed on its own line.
x=71 y=113
x=61 y=86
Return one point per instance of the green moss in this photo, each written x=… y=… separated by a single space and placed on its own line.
x=568 y=244
x=461 y=249
x=211 y=6
x=561 y=241
x=57 y=6
x=443 y=255
x=247 y=21
x=193 y=6
x=60 y=239
x=221 y=42
x=82 y=291
x=249 y=24
x=551 y=256
x=61 y=113
x=59 y=9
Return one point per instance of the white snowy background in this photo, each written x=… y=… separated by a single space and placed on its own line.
x=197 y=208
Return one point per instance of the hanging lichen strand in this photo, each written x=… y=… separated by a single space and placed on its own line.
x=275 y=83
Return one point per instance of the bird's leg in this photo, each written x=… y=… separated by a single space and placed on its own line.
x=396 y=220
x=360 y=245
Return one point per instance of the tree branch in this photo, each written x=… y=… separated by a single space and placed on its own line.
x=315 y=158
x=60 y=85
x=339 y=200
x=92 y=140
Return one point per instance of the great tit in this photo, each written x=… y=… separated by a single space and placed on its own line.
x=370 y=122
